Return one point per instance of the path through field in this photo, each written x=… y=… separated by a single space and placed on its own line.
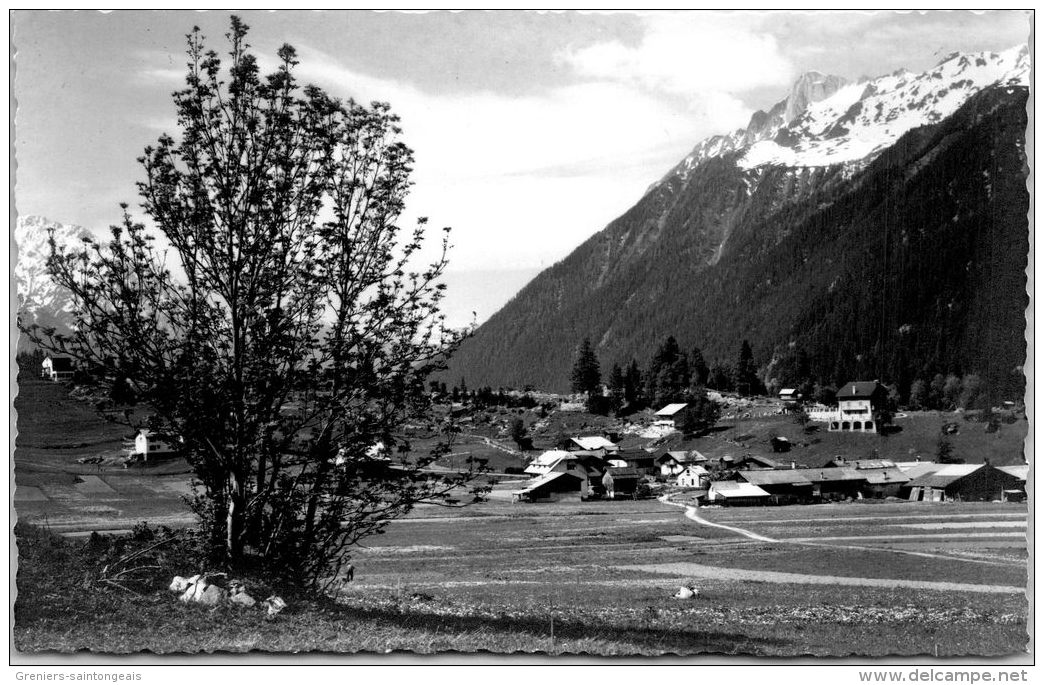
x=692 y=514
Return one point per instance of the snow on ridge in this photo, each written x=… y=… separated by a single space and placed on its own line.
x=863 y=119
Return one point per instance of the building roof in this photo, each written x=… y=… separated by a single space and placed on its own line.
x=672 y=409
x=730 y=488
x=946 y=475
x=788 y=391
x=694 y=469
x=884 y=476
x=594 y=442
x=776 y=477
x=682 y=456
x=913 y=469
x=858 y=390
x=547 y=461
x=861 y=463
x=758 y=459
x=544 y=480
x=1020 y=471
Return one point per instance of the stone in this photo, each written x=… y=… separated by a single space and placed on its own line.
x=213 y=595
x=274 y=605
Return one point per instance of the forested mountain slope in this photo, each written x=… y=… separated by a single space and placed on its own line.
x=900 y=264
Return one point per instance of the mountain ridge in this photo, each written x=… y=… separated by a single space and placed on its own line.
x=640 y=278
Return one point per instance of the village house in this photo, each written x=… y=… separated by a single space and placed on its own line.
x=670 y=416
x=856 y=403
x=641 y=460
x=806 y=485
x=961 y=483
x=694 y=476
x=148 y=444
x=543 y=463
x=592 y=444
x=57 y=368
x=673 y=462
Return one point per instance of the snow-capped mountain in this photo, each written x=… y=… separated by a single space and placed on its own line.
x=826 y=120
x=878 y=226
x=39 y=297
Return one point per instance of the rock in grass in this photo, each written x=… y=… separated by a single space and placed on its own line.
x=179 y=584
x=685 y=592
x=274 y=604
x=213 y=595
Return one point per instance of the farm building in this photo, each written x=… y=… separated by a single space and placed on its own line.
x=593 y=443
x=545 y=462
x=961 y=483
x=862 y=463
x=780 y=443
x=673 y=462
x=803 y=485
x=619 y=481
x=57 y=368
x=856 y=402
x=735 y=493
x=670 y=415
x=1020 y=471
x=553 y=486
x=693 y=476
x=789 y=395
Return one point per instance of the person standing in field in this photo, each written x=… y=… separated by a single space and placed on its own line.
x=607 y=483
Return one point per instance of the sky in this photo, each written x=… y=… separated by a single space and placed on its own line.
x=531 y=130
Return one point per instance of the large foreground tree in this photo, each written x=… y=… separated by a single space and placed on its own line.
x=276 y=330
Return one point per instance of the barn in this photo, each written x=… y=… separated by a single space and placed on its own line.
x=553 y=486
x=670 y=415
x=735 y=493
x=961 y=483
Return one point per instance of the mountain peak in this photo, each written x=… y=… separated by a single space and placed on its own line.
x=810 y=87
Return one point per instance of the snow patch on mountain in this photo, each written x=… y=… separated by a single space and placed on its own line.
x=37 y=292
x=860 y=120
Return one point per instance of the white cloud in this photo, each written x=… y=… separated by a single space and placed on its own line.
x=524 y=179
x=689 y=54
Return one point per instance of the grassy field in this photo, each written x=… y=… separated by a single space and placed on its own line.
x=871 y=578
x=599 y=578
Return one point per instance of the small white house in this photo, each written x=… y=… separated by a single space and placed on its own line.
x=670 y=415
x=148 y=444
x=694 y=476
x=57 y=368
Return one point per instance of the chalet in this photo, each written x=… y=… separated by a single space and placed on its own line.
x=789 y=395
x=784 y=486
x=148 y=444
x=592 y=444
x=735 y=493
x=694 y=476
x=670 y=415
x=856 y=403
x=57 y=368
x=780 y=443
x=673 y=462
x=961 y=483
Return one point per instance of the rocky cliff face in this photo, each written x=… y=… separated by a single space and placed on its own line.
x=892 y=181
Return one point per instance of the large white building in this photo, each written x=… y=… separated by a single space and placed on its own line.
x=856 y=402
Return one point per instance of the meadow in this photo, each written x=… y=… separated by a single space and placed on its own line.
x=868 y=579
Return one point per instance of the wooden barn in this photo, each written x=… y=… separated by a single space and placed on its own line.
x=961 y=483
x=735 y=493
x=57 y=368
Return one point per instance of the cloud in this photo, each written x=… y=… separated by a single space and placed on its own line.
x=525 y=178
x=692 y=55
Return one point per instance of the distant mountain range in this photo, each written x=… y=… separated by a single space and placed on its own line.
x=879 y=227
x=40 y=300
